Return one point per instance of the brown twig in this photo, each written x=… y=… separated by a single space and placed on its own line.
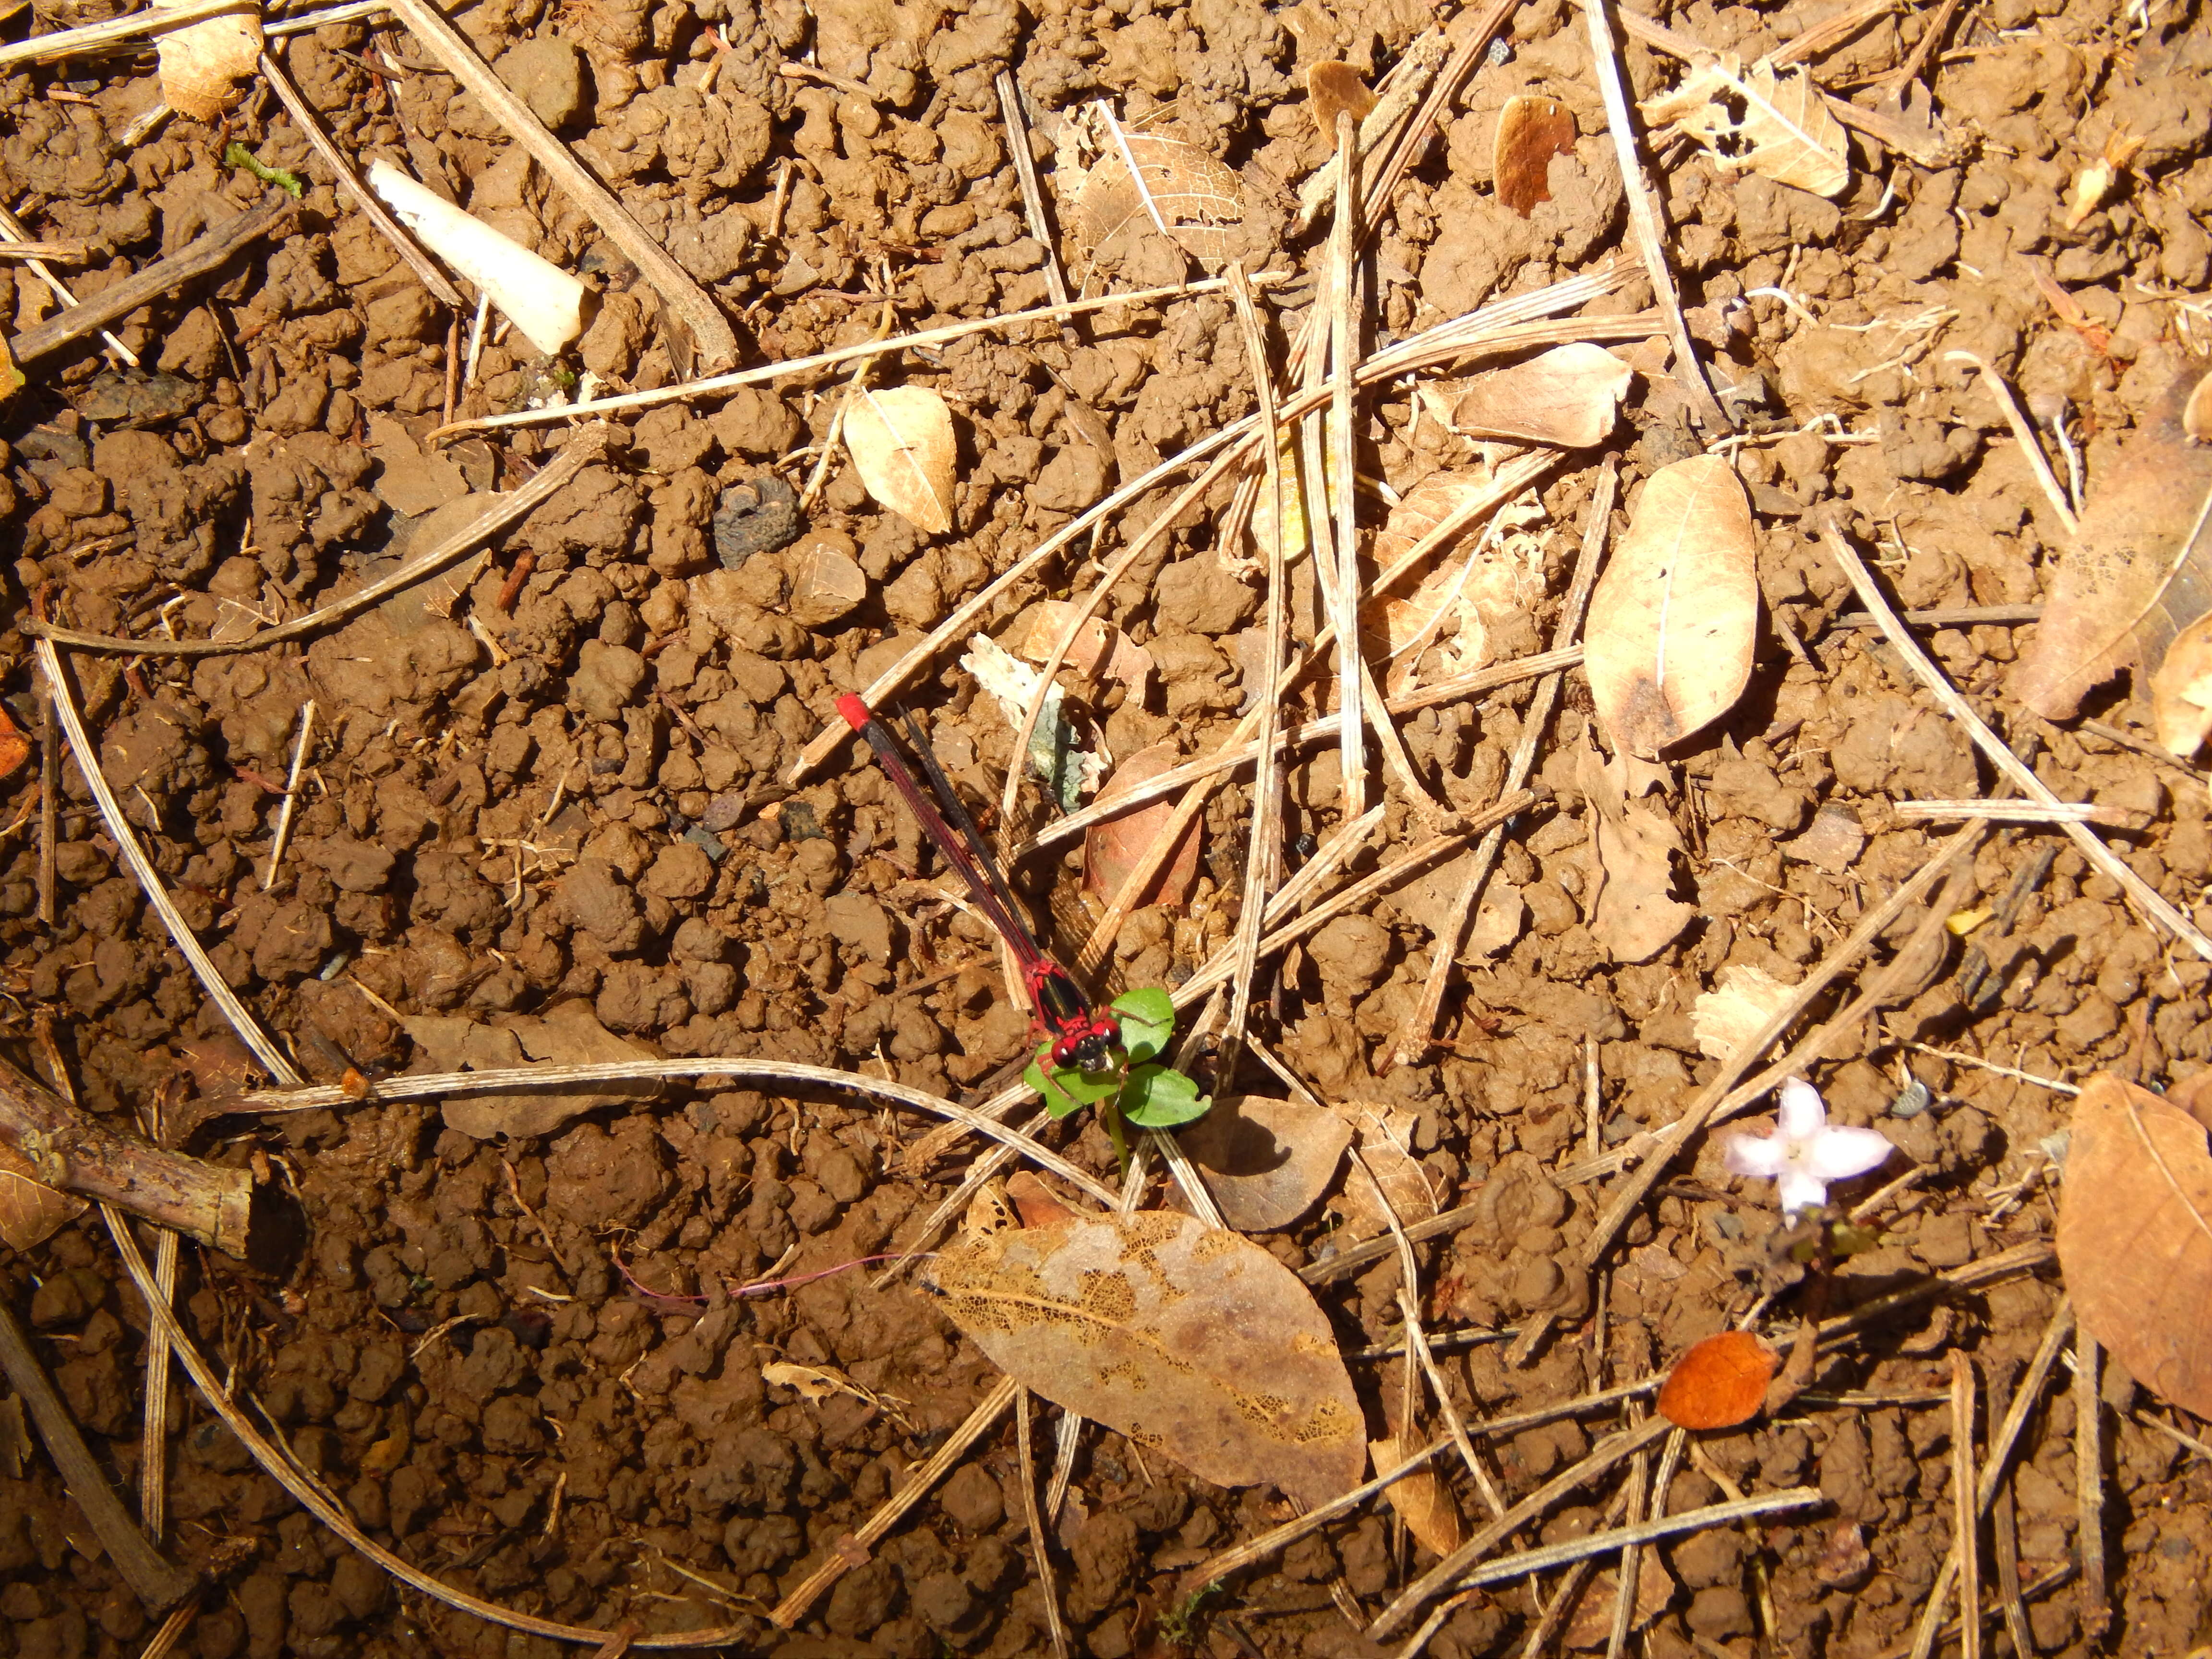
x=50 y=798
x=153 y=1579
x=2089 y=1485
x=1962 y=1510
x=582 y=448
x=68 y=253
x=1055 y=281
x=73 y=1153
x=2004 y=1536
x=194 y=259
x=712 y=337
x=20 y=233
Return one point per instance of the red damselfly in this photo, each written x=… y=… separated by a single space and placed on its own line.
x=1081 y=1036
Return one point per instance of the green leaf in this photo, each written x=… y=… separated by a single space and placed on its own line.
x=1066 y=1089
x=1147 y=1018
x=1158 y=1099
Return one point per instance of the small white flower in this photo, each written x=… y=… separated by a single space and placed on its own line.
x=1804 y=1153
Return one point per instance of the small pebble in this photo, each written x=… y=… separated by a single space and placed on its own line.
x=1911 y=1100
x=757 y=516
x=1501 y=53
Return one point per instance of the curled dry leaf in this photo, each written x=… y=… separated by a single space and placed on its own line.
x=567 y=1034
x=2137 y=572
x=1122 y=184
x=1568 y=397
x=1784 y=133
x=1727 y=1016
x=1629 y=899
x=1189 y=1340
x=902 y=446
x=1333 y=87
x=1718 y=1382
x=1423 y=1500
x=1531 y=131
x=1114 y=847
x=204 y=64
x=31 y=1212
x=1675 y=619
x=1266 y=1161
x=2134 y=1236
x=2181 y=691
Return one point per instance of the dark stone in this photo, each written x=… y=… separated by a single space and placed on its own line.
x=757 y=516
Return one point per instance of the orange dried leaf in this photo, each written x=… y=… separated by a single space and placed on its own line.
x=1187 y=1339
x=1333 y=87
x=1531 y=131
x=2134 y=1236
x=1718 y=1382
x=15 y=747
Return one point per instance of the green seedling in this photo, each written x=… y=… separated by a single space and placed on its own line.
x=1134 y=1086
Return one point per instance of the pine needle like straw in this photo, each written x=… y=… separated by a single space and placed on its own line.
x=126 y=842
x=97 y=37
x=2144 y=895
x=843 y=1559
x=277 y=843
x=582 y=448
x=2024 y=434
x=1055 y=281
x=1644 y=217
x=1339 y=432
x=1040 y=1541
x=1418 y=1034
x=1963 y=1542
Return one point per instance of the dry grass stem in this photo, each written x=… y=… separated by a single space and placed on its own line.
x=1998 y=811
x=97 y=37
x=2014 y=1263
x=1832 y=31
x=1040 y=1541
x=50 y=796
x=171 y=1630
x=149 y=882
x=2145 y=897
x=583 y=448
x=153 y=1580
x=1964 y=1513
x=310 y=124
x=1418 y=1034
x=1342 y=462
x=284 y=835
x=1418 y=1344
x=993 y=1405
x=1644 y=219
x=2013 y=1072
x=712 y=337
x=2024 y=434
x=1402 y=88
x=68 y=253
x=1055 y=280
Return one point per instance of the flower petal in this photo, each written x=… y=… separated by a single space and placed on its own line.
x=1802 y=1113
x=1836 y=1153
x=1800 y=1191
x=1755 y=1155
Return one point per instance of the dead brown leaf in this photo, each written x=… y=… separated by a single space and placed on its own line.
x=1755 y=120
x=1099 y=652
x=1674 y=620
x=1333 y=87
x=1124 y=184
x=31 y=1212
x=1423 y=1500
x=1629 y=902
x=1187 y=1339
x=1114 y=847
x=1567 y=398
x=1266 y=1161
x=2138 y=571
x=1730 y=1015
x=1383 y=1136
x=902 y=447
x=204 y=64
x=1531 y=131
x=1591 y=1624
x=2134 y=1236
x=567 y=1034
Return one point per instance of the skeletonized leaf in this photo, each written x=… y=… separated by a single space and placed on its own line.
x=1675 y=619
x=1266 y=1161
x=1189 y=1340
x=2134 y=1236
x=2132 y=580
x=1531 y=131
x=1124 y=184
x=1112 y=848
x=1423 y=1500
x=901 y=443
x=204 y=64
x=31 y=1212
x=1785 y=132
x=1726 y=1018
x=1567 y=398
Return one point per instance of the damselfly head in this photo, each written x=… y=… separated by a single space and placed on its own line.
x=1087 y=1048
